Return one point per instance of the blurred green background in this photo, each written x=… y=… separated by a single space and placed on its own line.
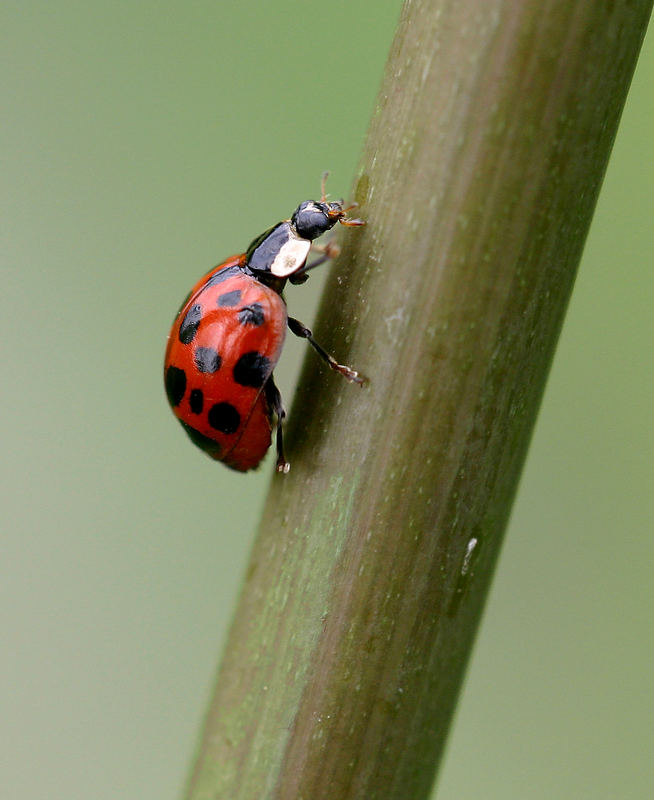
x=142 y=143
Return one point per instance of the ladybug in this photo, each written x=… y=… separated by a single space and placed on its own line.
x=228 y=336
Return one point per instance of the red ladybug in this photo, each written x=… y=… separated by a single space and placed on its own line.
x=228 y=336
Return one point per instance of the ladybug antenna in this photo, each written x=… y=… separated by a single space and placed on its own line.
x=323 y=181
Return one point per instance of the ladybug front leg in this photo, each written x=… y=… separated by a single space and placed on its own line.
x=303 y=332
x=329 y=250
x=274 y=399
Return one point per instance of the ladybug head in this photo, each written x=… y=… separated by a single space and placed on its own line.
x=311 y=219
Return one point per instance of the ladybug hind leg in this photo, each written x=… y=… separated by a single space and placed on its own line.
x=296 y=327
x=274 y=399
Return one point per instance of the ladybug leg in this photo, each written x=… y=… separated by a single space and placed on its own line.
x=328 y=250
x=274 y=399
x=303 y=332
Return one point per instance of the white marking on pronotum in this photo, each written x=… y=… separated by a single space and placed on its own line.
x=292 y=254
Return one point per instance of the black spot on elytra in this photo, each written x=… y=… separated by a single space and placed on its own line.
x=203 y=442
x=189 y=326
x=207 y=359
x=230 y=298
x=175 y=381
x=251 y=315
x=224 y=418
x=251 y=369
x=196 y=401
x=223 y=275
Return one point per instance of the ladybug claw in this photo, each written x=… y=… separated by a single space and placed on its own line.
x=354 y=377
x=348 y=373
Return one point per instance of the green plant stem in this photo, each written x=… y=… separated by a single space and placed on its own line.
x=373 y=559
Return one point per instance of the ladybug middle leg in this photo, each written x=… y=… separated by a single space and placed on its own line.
x=274 y=399
x=296 y=327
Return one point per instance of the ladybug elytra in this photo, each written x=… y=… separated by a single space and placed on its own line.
x=228 y=336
